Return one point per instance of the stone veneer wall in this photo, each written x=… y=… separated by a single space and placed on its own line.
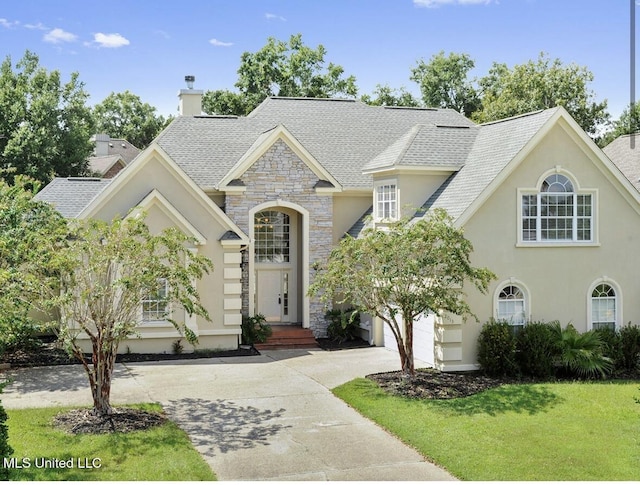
x=281 y=175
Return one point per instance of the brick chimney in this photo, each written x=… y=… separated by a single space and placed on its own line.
x=190 y=99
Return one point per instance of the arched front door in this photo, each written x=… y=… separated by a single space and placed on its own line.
x=276 y=257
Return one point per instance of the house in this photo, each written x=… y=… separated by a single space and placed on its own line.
x=268 y=195
x=110 y=155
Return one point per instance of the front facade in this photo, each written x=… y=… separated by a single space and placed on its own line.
x=267 y=196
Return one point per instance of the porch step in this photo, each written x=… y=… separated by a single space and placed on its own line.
x=289 y=337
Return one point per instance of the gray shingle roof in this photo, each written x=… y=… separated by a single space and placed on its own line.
x=495 y=145
x=101 y=165
x=342 y=135
x=71 y=195
x=624 y=152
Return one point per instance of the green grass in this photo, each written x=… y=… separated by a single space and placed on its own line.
x=559 y=431
x=160 y=453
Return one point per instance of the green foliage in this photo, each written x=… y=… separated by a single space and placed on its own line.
x=124 y=115
x=255 y=329
x=280 y=68
x=497 y=349
x=580 y=353
x=630 y=347
x=443 y=82
x=401 y=272
x=45 y=125
x=31 y=235
x=384 y=95
x=628 y=123
x=5 y=449
x=343 y=324
x=176 y=347
x=102 y=277
x=611 y=346
x=535 y=350
x=540 y=84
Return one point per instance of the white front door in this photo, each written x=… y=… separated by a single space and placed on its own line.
x=273 y=294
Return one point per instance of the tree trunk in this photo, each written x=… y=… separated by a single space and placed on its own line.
x=103 y=363
x=408 y=365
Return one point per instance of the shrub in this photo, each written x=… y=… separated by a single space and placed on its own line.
x=5 y=450
x=343 y=324
x=497 y=349
x=630 y=347
x=18 y=333
x=611 y=346
x=255 y=329
x=580 y=353
x=535 y=350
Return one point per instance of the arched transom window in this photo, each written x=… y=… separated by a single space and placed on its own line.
x=557 y=212
x=271 y=233
x=512 y=305
x=604 y=307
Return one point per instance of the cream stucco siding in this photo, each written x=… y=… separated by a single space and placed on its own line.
x=347 y=209
x=415 y=188
x=558 y=278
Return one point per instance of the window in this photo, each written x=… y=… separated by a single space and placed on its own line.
x=386 y=201
x=511 y=306
x=154 y=305
x=604 y=305
x=271 y=233
x=557 y=213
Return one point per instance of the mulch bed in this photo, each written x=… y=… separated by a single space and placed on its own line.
x=123 y=420
x=329 y=344
x=49 y=354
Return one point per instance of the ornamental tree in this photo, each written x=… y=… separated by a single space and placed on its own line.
x=104 y=274
x=402 y=271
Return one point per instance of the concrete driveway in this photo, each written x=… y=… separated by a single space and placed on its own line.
x=269 y=417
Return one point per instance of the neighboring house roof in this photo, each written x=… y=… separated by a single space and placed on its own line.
x=495 y=145
x=101 y=165
x=341 y=135
x=120 y=146
x=71 y=195
x=624 y=151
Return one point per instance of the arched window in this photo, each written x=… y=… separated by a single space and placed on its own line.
x=557 y=212
x=271 y=233
x=604 y=307
x=511 y=305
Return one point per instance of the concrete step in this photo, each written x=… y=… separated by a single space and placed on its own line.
x=288 y=337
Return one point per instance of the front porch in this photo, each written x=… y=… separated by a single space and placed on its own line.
x=289 y=336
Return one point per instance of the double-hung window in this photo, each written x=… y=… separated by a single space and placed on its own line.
x=155 y=303
x=557 y=213
x=386 y=201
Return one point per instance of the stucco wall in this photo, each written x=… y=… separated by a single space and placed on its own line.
x=558 y=278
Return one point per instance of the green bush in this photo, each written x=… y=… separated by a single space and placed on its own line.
x=497 y=349
x=535 y=350
x=18 y=333
x=630 y=347
x=612 y=346
x=580 y=354
x=343 y=324
x=5 y=450
x=255 y=329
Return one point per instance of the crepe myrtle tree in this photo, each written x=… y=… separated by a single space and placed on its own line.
x=102 y=277
x=401 y=271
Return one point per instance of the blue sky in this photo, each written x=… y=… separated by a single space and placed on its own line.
x=147 y=47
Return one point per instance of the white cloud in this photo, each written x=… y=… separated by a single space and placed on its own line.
x=58 y=36
x=219 y=43
x=437 y=3
x=38 y=26
x=273 y=16
x=8 y=24
x=110 y=40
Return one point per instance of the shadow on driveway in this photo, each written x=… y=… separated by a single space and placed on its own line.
x=223 y=425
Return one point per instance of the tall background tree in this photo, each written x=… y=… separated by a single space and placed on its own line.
x=444 y=82
x=384 y=95
x=399 y=273
x=541 y=84
x=125 y=115
x=628 y=123
x=280 y=69
x=45 y=124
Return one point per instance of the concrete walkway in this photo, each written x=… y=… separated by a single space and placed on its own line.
x=270 y=417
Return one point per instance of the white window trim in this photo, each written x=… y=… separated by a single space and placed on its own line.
x=376 y=186
x=616 y=287
x=155 y=322
x=525 y=292
x=594 y=242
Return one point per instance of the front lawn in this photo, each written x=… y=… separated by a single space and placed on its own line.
x=517 y=432
x=159 y=453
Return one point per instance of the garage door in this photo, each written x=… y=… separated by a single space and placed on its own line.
x=422 y=338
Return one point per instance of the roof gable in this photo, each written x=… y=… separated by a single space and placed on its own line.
x=266 y=141
x=70 y=196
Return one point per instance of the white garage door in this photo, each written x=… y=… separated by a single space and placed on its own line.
x=422 y=338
